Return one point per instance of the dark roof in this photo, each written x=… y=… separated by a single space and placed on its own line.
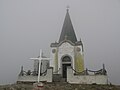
x=68 y=30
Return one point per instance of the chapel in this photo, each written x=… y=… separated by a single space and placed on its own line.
x=68 y=51
x=67 y=61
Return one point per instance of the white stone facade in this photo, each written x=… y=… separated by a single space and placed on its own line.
x=64 y=49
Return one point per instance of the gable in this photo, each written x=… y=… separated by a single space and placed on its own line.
x=66 y=47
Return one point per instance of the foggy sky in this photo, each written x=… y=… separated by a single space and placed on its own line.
x=29 y=25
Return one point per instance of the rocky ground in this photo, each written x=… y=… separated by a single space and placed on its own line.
x=59 y=86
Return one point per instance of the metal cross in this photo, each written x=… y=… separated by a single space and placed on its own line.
x=40 y=58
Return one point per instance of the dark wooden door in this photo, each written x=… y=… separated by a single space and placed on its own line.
x=64 y=70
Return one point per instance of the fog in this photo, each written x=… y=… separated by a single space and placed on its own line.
x=29 y=25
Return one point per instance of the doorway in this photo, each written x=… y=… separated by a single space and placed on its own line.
x=66 y=61
x=64 y=69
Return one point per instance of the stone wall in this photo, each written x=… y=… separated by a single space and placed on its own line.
x=31 y=78
x=85 y=79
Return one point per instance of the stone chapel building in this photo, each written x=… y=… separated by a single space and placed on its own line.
x=68 y=51
x=67 y=62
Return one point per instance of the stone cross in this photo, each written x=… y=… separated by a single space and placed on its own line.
x=40 y=58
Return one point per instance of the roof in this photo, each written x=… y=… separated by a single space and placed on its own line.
x=68 y=30
x=73 y=44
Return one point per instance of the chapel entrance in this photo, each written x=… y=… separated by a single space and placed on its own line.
x=66 y=61
x=64 y=66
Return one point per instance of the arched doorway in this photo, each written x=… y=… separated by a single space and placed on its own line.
x=66 y=61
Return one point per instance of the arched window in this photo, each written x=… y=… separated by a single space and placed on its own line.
x=66 y=59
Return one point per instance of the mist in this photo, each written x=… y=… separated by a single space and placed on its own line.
x=26 y=26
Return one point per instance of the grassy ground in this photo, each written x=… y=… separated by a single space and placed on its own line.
x=60 y=86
